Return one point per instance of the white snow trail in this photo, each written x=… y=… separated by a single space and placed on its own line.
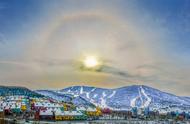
x=95 y=95
x=140 y=95
x=113 y=93
x=81 y=90
x=146 y=103
x=103 y=102
x=103 y=94
x=87 y=95
x=133 y=101
x=93 y=90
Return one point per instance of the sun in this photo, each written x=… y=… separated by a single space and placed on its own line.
x=91 y=62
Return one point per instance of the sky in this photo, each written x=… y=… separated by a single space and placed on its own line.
x=139 y=42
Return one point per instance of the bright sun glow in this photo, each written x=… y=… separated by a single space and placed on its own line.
x=90 y=61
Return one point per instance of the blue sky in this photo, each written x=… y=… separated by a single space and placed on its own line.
x=176 y=15
x=144 y=42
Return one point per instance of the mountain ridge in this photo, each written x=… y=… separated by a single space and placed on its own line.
x=122 y=98
x=17 y=90
x=140 y=96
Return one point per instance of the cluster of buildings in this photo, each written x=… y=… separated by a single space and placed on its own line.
x=42 y=108
x=34 y=108
x=13 y=104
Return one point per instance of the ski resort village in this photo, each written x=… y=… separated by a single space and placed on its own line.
x=81 y=103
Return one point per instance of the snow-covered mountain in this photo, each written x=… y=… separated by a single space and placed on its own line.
x=126 y=97
x=65 y=97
